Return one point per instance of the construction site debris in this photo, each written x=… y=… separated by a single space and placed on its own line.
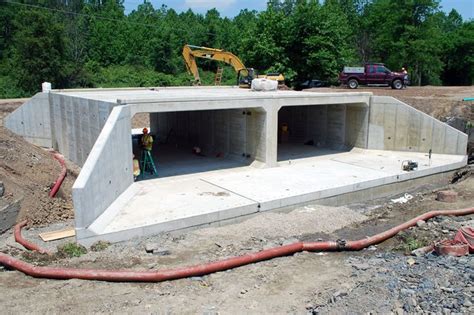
x=451 y=248
x=264 y=85
x=57 y=235
x=466 y=235
x=409 y=165
x=404 y=199
x=447 y=196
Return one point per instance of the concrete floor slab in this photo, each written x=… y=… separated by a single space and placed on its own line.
x=173 y=161
x=172 y=203
x=168 y=201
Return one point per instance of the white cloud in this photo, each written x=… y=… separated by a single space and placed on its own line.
x=209 y=3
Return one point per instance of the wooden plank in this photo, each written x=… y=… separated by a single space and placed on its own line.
x=56 y=235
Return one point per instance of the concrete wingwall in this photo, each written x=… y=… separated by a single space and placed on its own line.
x=32 y=120
x=107 y=172
x=394 y=125
x=76 y=123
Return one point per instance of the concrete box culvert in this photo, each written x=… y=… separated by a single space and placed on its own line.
x=92 y=127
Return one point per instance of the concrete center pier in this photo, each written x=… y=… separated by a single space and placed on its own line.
x=261 y=151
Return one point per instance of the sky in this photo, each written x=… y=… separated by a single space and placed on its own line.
x=231 y=8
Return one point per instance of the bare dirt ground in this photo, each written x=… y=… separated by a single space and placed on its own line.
x=28 y=173
x=438 y=101
x=379 y=280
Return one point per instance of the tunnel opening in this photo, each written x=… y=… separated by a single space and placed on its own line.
x=187 y=142
x=316 y=130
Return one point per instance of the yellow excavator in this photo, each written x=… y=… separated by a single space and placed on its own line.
x=244 y=75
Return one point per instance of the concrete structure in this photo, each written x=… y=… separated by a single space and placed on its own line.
x=238 y=129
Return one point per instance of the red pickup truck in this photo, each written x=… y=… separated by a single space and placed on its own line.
x=373 y=74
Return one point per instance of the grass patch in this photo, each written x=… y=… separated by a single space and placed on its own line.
x=99 y=246
x=71 y=250
x=409 y=243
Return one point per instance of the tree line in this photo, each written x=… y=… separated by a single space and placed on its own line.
x=94 y=43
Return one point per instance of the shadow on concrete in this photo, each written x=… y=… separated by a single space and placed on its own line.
x=174 y=160
x=293 y=151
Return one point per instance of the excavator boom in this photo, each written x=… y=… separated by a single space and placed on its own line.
x=190 y=53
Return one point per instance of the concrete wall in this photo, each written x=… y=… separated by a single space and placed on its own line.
x=32 y=121
x=235 y=133
x=107 y=171
x=335 y=126
x=76 y=123
x=394 y=125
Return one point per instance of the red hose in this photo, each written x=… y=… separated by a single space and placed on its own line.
x=27 y=244
x=200 y=270
x=61 y=176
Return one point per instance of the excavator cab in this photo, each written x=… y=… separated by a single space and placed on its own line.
x=245 y=77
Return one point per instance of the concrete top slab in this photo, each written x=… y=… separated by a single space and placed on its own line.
x=167 y=94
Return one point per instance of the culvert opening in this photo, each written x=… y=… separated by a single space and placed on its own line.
x=187 y=142
x=316 y=130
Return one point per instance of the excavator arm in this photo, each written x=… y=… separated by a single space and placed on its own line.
x=190 y=53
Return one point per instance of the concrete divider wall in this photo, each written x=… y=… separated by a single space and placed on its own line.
x=107 y=171
x=76 y=123
x=256 y=136
x=394 y=125
x=32 y=120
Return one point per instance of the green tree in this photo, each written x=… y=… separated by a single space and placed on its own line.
x=38 y=50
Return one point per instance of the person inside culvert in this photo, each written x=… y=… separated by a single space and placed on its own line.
x=146 y=162
x=146 y=140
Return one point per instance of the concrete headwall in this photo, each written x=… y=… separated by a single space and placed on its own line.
x=107 y=171
x=32 y=120
x=394 y=125
x=76 y=123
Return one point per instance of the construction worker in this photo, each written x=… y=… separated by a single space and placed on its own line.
x=146 y=140
x=405 y=80
x=136 y=168
x=146 y=161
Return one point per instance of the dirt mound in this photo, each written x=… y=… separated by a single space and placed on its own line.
x=437 y=101
x=28 y=173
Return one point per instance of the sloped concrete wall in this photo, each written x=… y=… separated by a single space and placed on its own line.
x=32 y=121
x=394 y=125
x=107 y=171
x=76 y=123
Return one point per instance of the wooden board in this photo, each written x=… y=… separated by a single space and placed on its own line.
x=56 y=235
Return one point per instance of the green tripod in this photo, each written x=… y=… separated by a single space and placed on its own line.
x=147 y=164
